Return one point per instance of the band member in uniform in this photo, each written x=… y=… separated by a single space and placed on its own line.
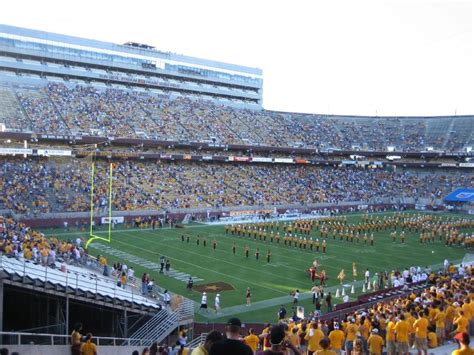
x=312 y=273
x=214 y=244
x=322 y=278
x=248 y=296
x=354 y=271
x=341 y=276
x=324 y=246
x=269 y=254
x=257 y=254
x=247 y=249
x=233 y=248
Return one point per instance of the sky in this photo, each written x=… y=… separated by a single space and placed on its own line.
x=411 y=57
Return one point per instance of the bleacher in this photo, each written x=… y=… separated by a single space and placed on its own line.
x=76 y=281
x=92 y=110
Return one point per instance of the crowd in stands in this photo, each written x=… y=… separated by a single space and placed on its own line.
x=61 y=109
x=35 y=186
x=20 y=241
x=421 y=319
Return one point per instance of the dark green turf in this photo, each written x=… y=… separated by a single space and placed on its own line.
x=285 y=272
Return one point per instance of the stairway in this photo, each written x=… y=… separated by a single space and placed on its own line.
x=156 y=329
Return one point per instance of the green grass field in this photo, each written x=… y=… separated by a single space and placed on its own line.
x=271 y=283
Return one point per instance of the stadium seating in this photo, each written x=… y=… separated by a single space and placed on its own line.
x=75 y=280
x=35 y=186
x=88 y=110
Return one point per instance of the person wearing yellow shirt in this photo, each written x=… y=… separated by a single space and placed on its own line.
x=76 y=339
x=375 y=342
x=461 y=322
x=450 y=314
x=324 y=344
x=432 y=338
x=421 y=334
x=211 y=338
x=294 y=338
x=313 y=337
x=251 y=340
x=440 y=323
x=336 y=338
x=351 y=335
x=401 y=331
x=463 y=340
x=264 y=335
x=364 y=327
x=88 y=348
x=466 y=308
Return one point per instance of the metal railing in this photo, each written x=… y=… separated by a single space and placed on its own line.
x=70 y=279
x=157 y=328
x=19 y=338
x=197 y=341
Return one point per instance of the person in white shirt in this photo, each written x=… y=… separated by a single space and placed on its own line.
x=167 y=298
x=367 y=277
x=131 y=274
x=345 y=299
x=203 y=301
x=51 y=257
x=446 y=265
x=296 y=297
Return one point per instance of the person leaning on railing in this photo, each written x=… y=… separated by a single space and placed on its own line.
x=88 y=348
x=76 y=340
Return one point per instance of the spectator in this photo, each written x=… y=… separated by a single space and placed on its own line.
x=324 y=344
x=88 y=348
x=232 y=345
x=211 y=338
x=76 y=339
x=463 y=341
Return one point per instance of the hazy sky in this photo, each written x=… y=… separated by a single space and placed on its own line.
x=348 y=57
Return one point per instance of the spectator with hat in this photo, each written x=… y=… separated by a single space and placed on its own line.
x=375 y=342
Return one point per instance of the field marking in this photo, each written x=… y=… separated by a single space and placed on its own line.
x=207 y=269
x=227 y=262
x=145 y=263
x=401 y=258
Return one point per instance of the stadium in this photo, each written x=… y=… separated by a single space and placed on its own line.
x=150 y=197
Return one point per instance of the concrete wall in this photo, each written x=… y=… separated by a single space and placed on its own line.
x=66 y=349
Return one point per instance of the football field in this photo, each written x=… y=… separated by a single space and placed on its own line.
x=221 y=271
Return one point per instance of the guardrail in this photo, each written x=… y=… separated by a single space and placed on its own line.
x=18 y=338
x=74 y=279
x=197 y=341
